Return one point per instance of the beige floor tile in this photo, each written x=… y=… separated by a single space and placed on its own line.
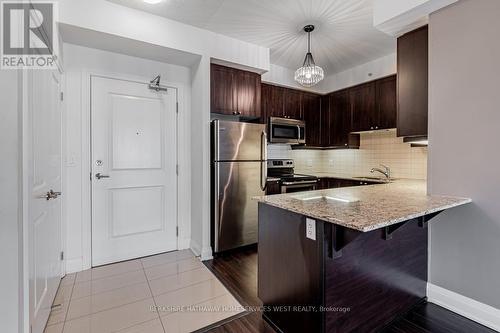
x=82 y=289
x=156 y=272
x=58 y=328
x=99 y=302
x=58 y=314
x=108 y=270
x=154 y=326
x=106 y=284
x=69 y=279
x=83 y=276
x=198 y=293
x=166 y=258
x=63 y=294
x=124 y=316
x=113 y=320
x=202 y=315
x=181 y=280
x=80 y=325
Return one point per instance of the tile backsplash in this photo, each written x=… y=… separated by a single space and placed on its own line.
x=376 y=148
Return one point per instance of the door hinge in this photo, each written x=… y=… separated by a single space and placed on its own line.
x=62 y=255
x=177 y=231
x=177 y=169
x=177 y=107
x=62 y=96
x=91 y=176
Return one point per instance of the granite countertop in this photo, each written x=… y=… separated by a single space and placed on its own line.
x=366 y=208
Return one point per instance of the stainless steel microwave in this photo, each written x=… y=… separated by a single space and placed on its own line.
x=284 y=130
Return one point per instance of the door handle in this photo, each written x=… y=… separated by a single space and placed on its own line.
x=49 y=195
x=99 y=175
x=54 y=195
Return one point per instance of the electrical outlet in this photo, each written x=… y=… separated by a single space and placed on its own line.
x=330 y=163
x=311 y=229
x=309 y=163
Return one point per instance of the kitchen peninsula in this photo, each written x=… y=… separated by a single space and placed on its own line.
x=345 y=260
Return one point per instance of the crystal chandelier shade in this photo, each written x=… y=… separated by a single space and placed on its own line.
x=309 y=74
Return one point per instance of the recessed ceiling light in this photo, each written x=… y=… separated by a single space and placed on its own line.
x=152 y=2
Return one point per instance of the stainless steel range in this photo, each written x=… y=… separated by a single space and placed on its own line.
x=289 y=180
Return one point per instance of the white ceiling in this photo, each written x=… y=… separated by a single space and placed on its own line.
x=344 y=35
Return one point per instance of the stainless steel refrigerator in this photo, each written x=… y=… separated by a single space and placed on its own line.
x=239 y=172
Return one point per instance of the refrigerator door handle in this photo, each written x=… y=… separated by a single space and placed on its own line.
x=263 y=160
x=217 y=198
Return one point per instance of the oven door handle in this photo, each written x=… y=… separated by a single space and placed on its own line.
x=300 y=183
x=298 y=134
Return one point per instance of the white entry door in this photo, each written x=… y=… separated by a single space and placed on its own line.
x=134 y=179
x=44 y=204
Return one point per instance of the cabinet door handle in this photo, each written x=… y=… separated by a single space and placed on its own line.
x=99 y=176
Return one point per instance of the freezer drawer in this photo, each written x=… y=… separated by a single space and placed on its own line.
x=235 y=213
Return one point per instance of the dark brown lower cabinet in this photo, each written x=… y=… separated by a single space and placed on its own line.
x=273 y=187
x=326 y=183
x=345 y=280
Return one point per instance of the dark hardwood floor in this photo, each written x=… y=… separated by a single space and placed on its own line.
x=237 y=270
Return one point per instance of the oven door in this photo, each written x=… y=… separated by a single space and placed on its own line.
x=292 y=187
x=282 y=130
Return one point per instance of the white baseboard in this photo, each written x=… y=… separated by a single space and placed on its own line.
x=74 y=265
x=479 y=312
x=206 y=253
x=195 y=247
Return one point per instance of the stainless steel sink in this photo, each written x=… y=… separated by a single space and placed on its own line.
x=374 y=178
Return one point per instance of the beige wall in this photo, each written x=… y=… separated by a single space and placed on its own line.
x=464 y=158
x=376 y=148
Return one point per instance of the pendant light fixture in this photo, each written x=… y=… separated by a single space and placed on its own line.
x=309 y=74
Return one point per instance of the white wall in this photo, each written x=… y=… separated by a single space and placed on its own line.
x=153 y=32
x=372 y=70
x=369 y=71
x=396 y=17
x=79 y=63
x=10 y=202
x=283 y=76
x=110 y=18
x=464 y=124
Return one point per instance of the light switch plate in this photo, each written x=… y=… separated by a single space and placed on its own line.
x=311 y=229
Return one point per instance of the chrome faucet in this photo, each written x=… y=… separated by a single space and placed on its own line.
x=386 y=173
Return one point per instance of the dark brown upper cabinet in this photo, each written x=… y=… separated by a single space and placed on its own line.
x=311 y=110
x=386 y=102
x=413 y=81
x=282 y=102
x=222 y=90
x=248 y=94
x=292 y=106
x=340 y=121
x=235 y=92
x=363 y=106
x=373 y=105
x=336 y=121
x=272 y=101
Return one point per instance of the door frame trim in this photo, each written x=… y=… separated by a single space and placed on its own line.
x=183 y=217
